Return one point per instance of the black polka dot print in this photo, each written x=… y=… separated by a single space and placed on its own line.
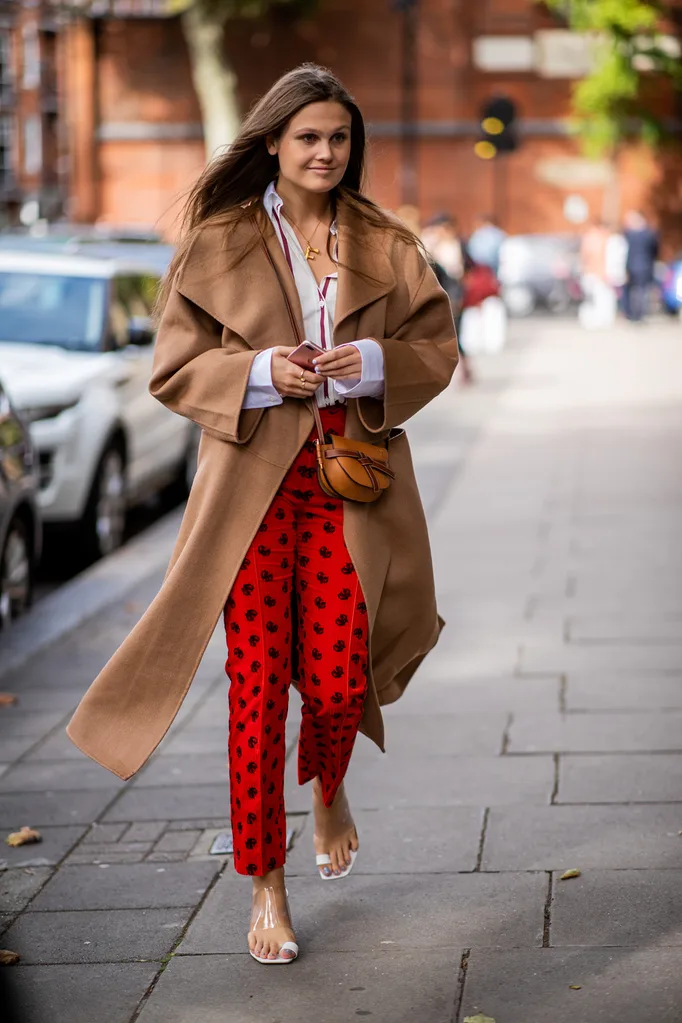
x=300 y=543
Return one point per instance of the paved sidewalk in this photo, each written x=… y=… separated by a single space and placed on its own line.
x=544 y=733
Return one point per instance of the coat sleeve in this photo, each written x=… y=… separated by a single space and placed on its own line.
x=419 y=357
x=197 y=376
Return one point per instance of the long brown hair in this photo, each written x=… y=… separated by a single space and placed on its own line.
x=243 y=172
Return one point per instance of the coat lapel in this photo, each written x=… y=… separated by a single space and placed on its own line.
x=246 y=296
x=365 y=271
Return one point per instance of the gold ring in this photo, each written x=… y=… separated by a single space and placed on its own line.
x=303 y=377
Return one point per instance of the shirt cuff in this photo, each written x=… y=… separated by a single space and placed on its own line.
x=260 y=390
x=371 y=383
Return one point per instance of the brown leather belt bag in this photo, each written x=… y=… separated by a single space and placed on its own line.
x=351 y=470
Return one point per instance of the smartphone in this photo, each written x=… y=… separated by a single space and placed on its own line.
x=305 y=353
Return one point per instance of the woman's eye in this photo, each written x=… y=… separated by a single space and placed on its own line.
x=340 y=138
x=308 y=138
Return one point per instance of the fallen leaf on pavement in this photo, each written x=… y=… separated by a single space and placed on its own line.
x=8 y=958
x=7 y=699
x=573 y=872
x=479 y=1019
x=575 y=987
x=24 y=836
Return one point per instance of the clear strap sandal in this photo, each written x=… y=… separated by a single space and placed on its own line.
x=271 y=913
x=324 y=860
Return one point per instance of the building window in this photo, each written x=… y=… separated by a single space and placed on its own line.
x=33 y=144
x=6 y=149
x=5 y=66
x=31 y=76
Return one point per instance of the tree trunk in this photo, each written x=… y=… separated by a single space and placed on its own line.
x=214 y=80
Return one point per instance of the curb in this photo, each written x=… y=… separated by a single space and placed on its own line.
x=90 y=593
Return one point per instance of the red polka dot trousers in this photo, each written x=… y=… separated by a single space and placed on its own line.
x=299 y=560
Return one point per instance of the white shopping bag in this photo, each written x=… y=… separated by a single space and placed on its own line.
x=493 y=325
x=470 y=331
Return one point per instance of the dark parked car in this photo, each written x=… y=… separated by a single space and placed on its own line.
x=20 y=530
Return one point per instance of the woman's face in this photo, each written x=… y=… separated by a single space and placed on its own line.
x=314 y=148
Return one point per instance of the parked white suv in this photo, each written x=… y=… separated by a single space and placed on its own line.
x=76 y=344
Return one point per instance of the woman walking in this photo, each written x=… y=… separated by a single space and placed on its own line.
x=282 y=245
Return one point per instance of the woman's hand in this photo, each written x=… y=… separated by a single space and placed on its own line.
x=290 y=380
x=343 y=363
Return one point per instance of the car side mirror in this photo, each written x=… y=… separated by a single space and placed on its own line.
x=140 y=331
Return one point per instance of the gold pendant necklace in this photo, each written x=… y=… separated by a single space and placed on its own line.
x=310 y=250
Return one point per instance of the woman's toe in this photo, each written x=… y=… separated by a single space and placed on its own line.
x=287 y=953
x=326 y=870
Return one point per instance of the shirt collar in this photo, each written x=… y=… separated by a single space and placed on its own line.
x=273 y=203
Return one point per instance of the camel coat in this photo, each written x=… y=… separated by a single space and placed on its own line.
x=219 y=315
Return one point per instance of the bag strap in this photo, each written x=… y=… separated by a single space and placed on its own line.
x=312 y=403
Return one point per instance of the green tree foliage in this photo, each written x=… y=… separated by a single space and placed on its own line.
x=629 y=46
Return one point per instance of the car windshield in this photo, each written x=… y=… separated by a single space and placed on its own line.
x=51 y=309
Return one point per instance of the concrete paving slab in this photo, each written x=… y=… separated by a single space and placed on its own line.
x=56 y=843
x=641 y=691
x=54 y=775
x=617 y=629
x=11 y=749
x=99 y=936
x=414 y=841
x=441 y=781
x=429 y=694
x=105 y=992
x=595 y=733
x=42 y=699
x=561 y=837
x=369 y=913
x=181 y=770
x=57 y=746
x=170 y=803
x=629 y=778
x=100 y=833
x=618 y=907
x=400 y=987
x=42 y=808
x=617 y=985
x=195 y=740
x=138 y=886
x=606 y=657
x=15 y=723
x=18 y=887
x=438 y=734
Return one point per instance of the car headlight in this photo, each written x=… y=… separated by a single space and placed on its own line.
x=40 y=412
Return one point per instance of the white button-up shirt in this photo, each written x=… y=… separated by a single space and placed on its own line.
x=318 y=305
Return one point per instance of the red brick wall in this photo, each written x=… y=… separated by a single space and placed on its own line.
x=143 y=76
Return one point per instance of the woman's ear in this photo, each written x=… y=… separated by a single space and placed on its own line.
x=271 y=145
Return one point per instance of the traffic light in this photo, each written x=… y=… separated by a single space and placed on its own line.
x=498 y=128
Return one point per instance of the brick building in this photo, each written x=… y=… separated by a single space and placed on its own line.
x=127 y=140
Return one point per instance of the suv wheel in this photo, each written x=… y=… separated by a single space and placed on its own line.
x=103 y=523
x=16 y=573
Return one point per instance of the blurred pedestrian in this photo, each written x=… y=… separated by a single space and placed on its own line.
x=442 y=241
x=642 y=242
x=305 y=572
x=485 y=243
x=600 y=305
x=484 y=317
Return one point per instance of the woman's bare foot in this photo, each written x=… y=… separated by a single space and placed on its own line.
x=335 y=832
x=270 y=917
